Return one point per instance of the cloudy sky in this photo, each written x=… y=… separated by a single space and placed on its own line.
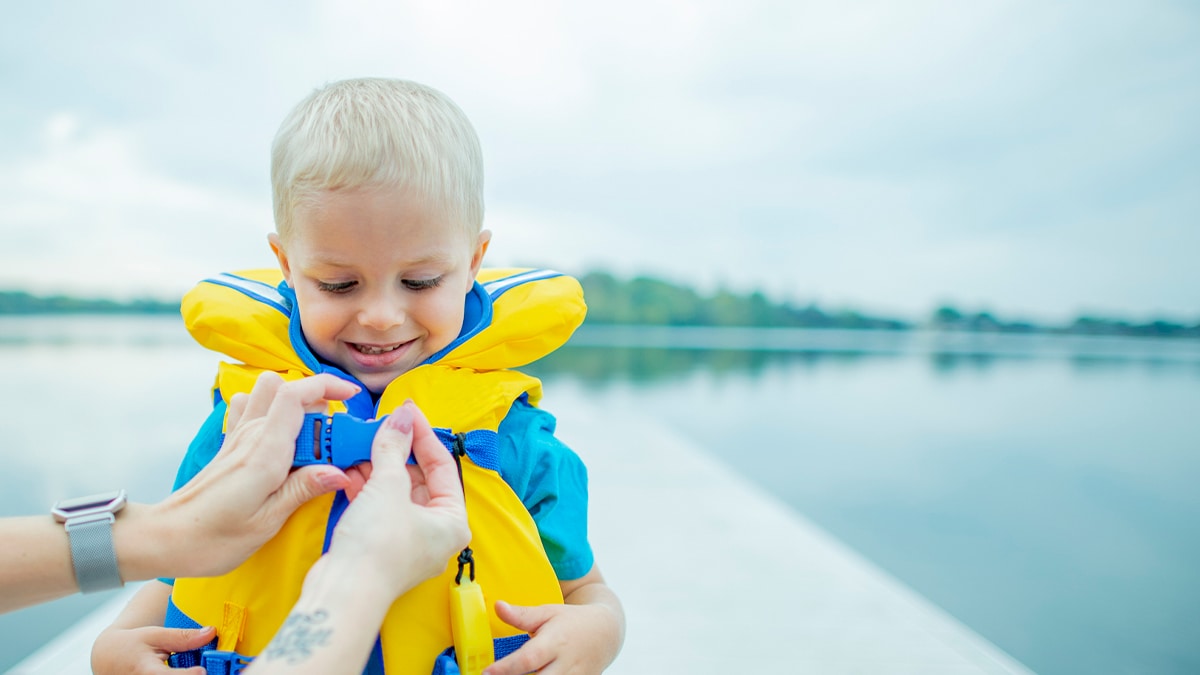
x=1036 y=159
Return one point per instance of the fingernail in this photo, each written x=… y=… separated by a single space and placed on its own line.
x=331 y=481
x=401 y=420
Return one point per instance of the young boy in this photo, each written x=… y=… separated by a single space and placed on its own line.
x=378 y=209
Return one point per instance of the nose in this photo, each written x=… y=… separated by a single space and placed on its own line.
x=382 y=311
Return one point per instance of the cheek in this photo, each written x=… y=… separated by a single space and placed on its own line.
x=320 y=319
x=446 y=315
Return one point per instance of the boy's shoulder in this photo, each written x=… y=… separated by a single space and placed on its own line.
x=530 y=431
x=532 y=457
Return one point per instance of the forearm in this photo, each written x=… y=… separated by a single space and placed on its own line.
x=35 y=563
x=147 y=607
x=607 y=625
x=35 y=566
x=332 y=627
x=600 y=596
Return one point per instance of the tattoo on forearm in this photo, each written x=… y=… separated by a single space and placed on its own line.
x=298 y=636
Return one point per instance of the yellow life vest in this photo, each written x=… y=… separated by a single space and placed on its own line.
x=513 y=318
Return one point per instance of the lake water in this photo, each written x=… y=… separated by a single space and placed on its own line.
x=1042 y=490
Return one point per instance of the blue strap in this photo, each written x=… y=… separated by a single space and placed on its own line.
x=482 y=446
x=344 y=440
x=177 y=619
x=445 y=664
x=189 y=659
x=217 y=662
x=213 y=661
x=223 y=663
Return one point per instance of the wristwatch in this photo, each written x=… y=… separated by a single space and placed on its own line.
x=88 y=521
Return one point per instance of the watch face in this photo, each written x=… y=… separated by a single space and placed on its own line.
x=116 y=498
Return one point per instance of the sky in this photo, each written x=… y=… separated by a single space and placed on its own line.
x=1038 y=160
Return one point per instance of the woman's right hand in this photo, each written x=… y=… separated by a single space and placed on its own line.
x=408 y=519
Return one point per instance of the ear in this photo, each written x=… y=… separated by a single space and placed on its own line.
x=280 y=255
x=481 y=247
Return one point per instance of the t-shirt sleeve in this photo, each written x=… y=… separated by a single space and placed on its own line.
x=551 y=481
x=204 y=446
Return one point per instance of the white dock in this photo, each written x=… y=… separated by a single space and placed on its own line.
x=715 y=576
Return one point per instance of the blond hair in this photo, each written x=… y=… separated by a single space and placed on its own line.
x=375 y=132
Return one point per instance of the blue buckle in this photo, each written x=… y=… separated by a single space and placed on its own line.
x=341 y=439
x=344 y=440
x=223 y=663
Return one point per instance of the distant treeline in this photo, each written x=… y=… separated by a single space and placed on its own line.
x=20 y=302
x=650 y=301
x=949 y=318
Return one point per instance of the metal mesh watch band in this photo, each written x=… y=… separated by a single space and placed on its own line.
x=88 y=522
x=93 y=555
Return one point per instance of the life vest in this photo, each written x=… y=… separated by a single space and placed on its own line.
x=513 y=317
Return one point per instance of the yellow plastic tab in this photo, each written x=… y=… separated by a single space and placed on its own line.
x=233 y=625
x=469 y=625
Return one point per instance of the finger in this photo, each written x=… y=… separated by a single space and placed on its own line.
x=530 y=658
x=262 y=395
x=528 y=619
x=441 y=473
x=233 y=417
x=286 y=414
x=360 y=472
x=393 y=444
x=304 y=484
x=308 y=394
x=179 y=639
x=237 y=406
x=358 y=476
x=320 y=388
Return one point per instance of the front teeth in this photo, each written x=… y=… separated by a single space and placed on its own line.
x=367 y=349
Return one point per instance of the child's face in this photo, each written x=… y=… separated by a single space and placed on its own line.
x=379 y=278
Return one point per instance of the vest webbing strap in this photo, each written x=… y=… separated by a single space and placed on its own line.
x=447 y=664
x=231 y=663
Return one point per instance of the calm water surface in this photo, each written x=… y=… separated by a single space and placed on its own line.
x=1042 y=491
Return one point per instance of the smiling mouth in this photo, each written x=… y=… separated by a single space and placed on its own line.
x=375 y=350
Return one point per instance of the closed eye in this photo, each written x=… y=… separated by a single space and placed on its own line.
x=338 y=287
x=421 y=284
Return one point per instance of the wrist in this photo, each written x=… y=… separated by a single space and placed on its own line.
x=336 y=582
x=140 y=540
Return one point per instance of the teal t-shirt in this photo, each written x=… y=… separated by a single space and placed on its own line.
x=548 y=477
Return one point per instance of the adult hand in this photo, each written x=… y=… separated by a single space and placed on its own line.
x=421 y=503
x=242 y=498
x=404 y=526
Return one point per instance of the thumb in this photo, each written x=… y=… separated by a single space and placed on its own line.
x=393 y=441
x=304 y=484
x=180 y=639
x=528 y=619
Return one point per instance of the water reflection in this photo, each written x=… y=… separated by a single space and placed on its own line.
x=606 y=354
x=598 y=366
